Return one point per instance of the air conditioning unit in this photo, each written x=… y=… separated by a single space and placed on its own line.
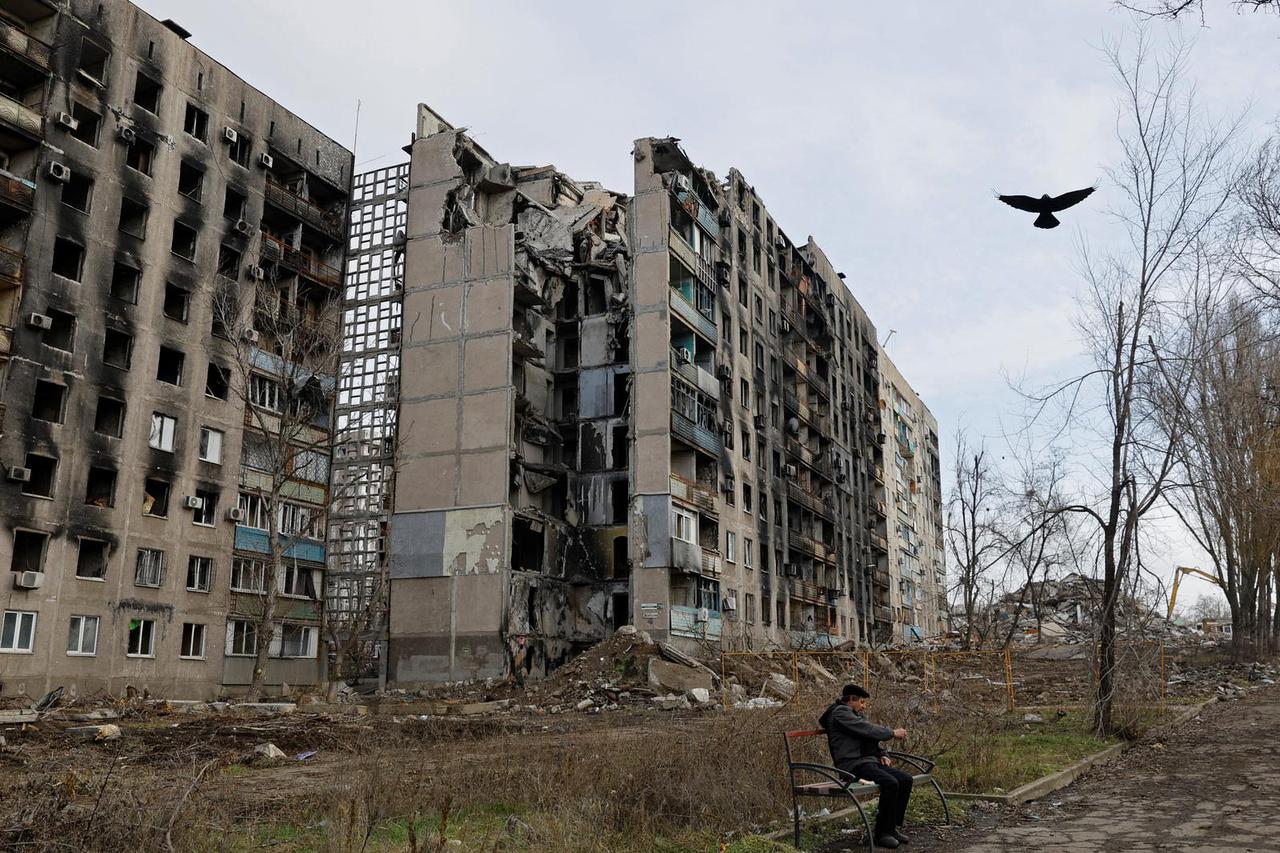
x=126 y=134
x=704 y=615
x=729 y=486
x=243 y=227
x=791 y=570
x=58 y=171
x=684 y=356
x=724 y=371
x=254 y=273
x=789 y=470
x=780 y=241
x=265 y=160
x=67 y=121
x=683 y=183
x=40 y=321
x=250 y=336
x=230 y=136
x=192 y=502
x=28 y=580
x=19 y=474
x=730 y=605
x=235 y=514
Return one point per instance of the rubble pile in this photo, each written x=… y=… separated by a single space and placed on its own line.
x=1224 y=681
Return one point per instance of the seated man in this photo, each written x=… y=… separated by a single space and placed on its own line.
x=855 y=749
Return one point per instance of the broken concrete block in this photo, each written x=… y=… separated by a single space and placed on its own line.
x=480 y=707
x=627 y=630
x=91 y=716
x=699 y=696
x=677 y=677
x=108 y=731
x=585 y=704
x=818 y=671
x=268 y=750
x=1033 y=718
x=779 y=685
x=671 y=702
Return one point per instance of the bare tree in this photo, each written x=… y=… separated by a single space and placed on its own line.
x=1227 y=449
x=1171 y=10
x=1172 y=188
x=972 y=537
x=1209 y=607
x=285 y=349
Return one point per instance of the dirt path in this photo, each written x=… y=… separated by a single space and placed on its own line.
x=1210 y=784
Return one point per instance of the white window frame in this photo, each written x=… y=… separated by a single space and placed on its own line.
x=146 y=639
x=258 y=567
x=308 y=633
x=730 y=546
x=154 y=563
x=296 y=520
x=748 y=546
x=206 y=515
x=686 y=522
x=242 y=634
x=253 y=508
x=15 y=618
x=264 y=392
x=206 y=569
x=163 y=429
x=192 y=654
x=77 y=629
x=211 y=441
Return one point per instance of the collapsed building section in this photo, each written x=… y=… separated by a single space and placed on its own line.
x=509 y=542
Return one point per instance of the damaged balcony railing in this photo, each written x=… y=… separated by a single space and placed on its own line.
x=25 y=45
x=16 y=192
x=693 y=317
x=807 y=545
x=877 y=541
x=809 y=592
x=301 y=262
x=12 y=265
x=329 y=223
x=28 y=119
x=809 y=501
x=693 y=493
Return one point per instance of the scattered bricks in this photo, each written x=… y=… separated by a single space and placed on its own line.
x=107 y=731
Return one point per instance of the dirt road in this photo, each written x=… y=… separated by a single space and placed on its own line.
x=1210 y=784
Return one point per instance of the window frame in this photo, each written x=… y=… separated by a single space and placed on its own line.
x=16 y=632
x=79 y=651
x=147 y=633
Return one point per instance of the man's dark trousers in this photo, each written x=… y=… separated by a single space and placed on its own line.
x=895 y=791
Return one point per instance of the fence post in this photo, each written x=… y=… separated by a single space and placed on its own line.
x=724 y=688
x=1008 y=678
x=795 y=670
x=866 y=670
x=1162 y=677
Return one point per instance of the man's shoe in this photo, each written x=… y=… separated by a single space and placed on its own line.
x=888 y=842
x=902 y=839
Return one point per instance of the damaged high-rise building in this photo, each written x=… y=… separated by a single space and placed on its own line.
x=170 y=239
x=651 y=408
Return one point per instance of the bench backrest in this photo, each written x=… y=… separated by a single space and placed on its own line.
x=787 y=737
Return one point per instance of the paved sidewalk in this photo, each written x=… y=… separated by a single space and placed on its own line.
x=1211 y=784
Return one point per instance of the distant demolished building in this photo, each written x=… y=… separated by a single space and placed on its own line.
x=651 y=408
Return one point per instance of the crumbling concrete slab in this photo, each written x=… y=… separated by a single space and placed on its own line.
x=107 y=731
x=15 y=717
x=677 y=677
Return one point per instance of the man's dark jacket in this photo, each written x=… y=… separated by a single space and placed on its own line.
x=852 y=738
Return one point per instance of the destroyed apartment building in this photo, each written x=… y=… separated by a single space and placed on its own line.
x=652 y=409
x=165 y=228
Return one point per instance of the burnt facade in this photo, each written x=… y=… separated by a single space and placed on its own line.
x=144 y=185
x=657 y=410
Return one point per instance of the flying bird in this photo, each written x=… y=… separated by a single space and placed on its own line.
x=1046 y=206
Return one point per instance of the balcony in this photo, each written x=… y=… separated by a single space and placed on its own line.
x=880 y=507
x=696 y=435
x=694 y=494
x=12 y=265
x=812 y=547
x=809 y=501
x=877 y=541
x=703 y=269
x=332 y=224
x=21 y=44
x=693 y=317
x=710 y=563
x=256 y=541
x=878 y=473
x=880 y=577
x=17 y=193
x=807 y=591
x=694 y=374
x=6 y=340
x=882 y=613
x=22 y=118
x=303 y=263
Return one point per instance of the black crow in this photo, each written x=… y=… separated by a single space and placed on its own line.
x=1046 y=206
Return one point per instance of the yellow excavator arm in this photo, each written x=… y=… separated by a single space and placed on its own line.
x=1178 y=572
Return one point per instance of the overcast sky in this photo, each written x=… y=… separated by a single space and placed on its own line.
x=880 y=128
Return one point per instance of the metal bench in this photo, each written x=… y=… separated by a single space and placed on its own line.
x=837 y=783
